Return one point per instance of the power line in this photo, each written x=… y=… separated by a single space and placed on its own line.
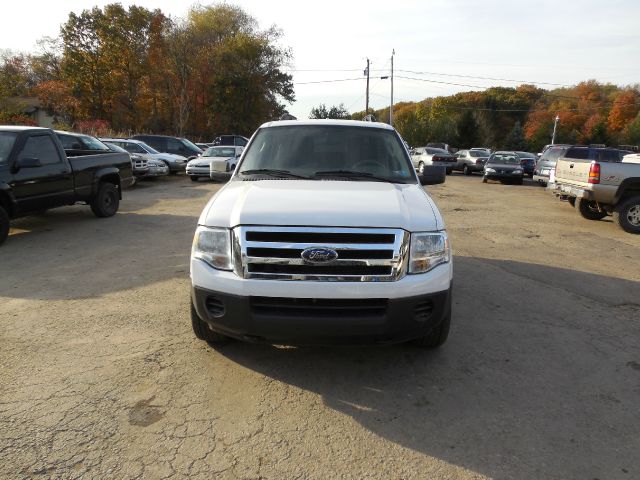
x=482 y=78
x=328 y=81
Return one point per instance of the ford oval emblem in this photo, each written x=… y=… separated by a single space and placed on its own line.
x=319 y=255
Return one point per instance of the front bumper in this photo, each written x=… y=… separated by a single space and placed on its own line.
x=503 y=176
x=198 y=171
x=312 y=321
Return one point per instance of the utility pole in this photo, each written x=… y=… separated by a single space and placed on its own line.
x=366 y=72
x=555 y=125
x=393 y=52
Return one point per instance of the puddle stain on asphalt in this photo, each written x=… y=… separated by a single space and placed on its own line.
x=143 y=414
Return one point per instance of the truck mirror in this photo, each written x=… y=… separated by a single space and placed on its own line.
x=433 y=175
x=29 y=162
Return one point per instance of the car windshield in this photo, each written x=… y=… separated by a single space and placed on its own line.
x=148 y=148
x=436 y=151
x=329 y=151
x=93 y=143
x=191 y=145
x=506 y=158
x=7 y=139
x=477 y=153
x=552 y=154
x=115 y=147
x=219 y=152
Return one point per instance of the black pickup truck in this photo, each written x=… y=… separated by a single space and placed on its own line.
x=37 y=174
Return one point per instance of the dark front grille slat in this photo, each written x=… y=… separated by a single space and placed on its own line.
x=310 y=307
x=342 y=254
x=339 y=270
x=320 y=238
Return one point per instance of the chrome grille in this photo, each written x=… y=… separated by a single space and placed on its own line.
x=364 y=254
x=139 y=164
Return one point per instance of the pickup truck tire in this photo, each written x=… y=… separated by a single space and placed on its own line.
x=437 y=336
x=588 y=210
x=626 y=215
x=4 y=225
x=203 y=332
x=106 y=201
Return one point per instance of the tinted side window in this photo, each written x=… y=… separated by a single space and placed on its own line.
x=241 y=142
x=42 y=148
x=579 y=153
x=174 y=146
x=70 y=142
x=157 y=143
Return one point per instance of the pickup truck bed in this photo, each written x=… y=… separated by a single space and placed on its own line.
x=600 y=188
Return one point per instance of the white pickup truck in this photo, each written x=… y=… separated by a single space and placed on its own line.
x=323 y=235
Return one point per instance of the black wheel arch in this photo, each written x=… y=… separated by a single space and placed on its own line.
x=109 y=174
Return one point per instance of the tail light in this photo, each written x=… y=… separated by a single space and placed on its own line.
x=594 y=173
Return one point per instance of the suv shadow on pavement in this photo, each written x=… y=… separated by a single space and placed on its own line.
x=523 y=388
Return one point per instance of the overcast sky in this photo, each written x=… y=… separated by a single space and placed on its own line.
x=559 y=42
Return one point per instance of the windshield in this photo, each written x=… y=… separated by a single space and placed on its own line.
x=191 y=145
x=219 y=152
x=506 y=158
x=115 y=147
x=93 y=143
x=477 y=153
x=436 y=151
x=148 y=148
x=307 y=150
x=7 y=139
x=552 y=154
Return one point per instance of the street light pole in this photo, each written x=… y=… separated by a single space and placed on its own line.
x=366 y=110
x=393 y=52
x=555 y=125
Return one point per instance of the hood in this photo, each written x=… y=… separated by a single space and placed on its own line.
x=167 y=156
x=322 y=204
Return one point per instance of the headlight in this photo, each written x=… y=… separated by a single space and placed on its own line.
x=517 y=170
x=490 y=170
x=428 y=250
x=213 y=245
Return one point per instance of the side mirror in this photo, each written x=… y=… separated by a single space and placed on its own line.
x=29 y=162
x=433 y=175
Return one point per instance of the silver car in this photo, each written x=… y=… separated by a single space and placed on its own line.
x=469 y=161
x=428 y=156
x=176 y=163
x=216 y=163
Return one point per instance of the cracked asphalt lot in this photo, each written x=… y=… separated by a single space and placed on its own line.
x=101 y=376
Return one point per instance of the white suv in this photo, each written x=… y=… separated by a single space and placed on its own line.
x=323 y=235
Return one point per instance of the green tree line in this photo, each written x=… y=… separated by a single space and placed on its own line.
x=137 y=70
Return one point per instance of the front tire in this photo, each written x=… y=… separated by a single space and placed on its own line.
x=438 y=336
x=572 y=201
x=106 y=202
x=203 y=332
x=626 y=215
x=589 y=210
x=4 y=225
x=194 y=179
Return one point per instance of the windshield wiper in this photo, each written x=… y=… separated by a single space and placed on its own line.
x=353 y=174
x=273 y=173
